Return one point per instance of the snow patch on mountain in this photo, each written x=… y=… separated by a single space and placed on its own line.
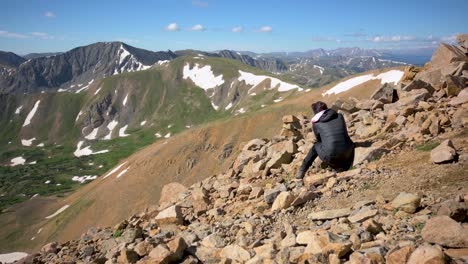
x=254 y=80
x=122 y=131
x=123 y=172
x=82 y=179
x=127 y=62
x=17 y=161
x=203 y=77
x=392 y=76
x=93 y=134
x=78 y=116
x=168 y=135
x=125 y=100
x=114 y=170
x=18 y=110
x=112 y=124
x=59 y=211
x=84 y=87
x=158 y=135
x=31 y=114
x=12 y=257
x=216 y=107
x=228 y=106
x=98 y=90
x=321 y=69
x=142 y=123
x=86 y=151
x=27 y=142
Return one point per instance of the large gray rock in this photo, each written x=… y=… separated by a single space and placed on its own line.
x=443 y=153
x=445 y=231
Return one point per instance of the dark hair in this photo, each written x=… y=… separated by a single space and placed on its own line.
x=319 y=106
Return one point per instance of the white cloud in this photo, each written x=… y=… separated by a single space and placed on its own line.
x=49 y=14
x=266 y=29
x=449 y=39
x=237 y=29
x=325 y=39
x=42 y=35
x=197 y=27
x=392 y=38
x=7 y=34
x=172 y=27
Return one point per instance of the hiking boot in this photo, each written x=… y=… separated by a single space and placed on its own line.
x=300 y=174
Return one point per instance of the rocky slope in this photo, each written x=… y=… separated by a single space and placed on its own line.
x=255 y=212
x=78 y=67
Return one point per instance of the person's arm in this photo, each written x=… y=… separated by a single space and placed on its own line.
x=316 y=133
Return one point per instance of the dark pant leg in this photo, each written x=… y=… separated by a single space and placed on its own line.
x=309 y=159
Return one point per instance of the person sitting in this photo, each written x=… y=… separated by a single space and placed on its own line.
x=333 y=146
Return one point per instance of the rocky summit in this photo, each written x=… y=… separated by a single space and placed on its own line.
x=256 y=212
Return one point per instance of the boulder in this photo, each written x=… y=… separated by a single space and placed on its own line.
x=362 y=215
x=303 y=197
x=458 y=254
x=444 y=153
x=453 y=85
x=213 y=241
x=369 y=153
x=270 y=195
x=278 y=158
x=287 y=119
x=160 y=254
x=127 y=256
x=385 y=94
x=325 y=242
x=418 y=84
x=330 y=214
x=445 y=55
x=461 y=98
x=305 y=237
x=282 y=201
x=458 y=211
x=171 y=215
x=130 y=234
x=427 y=254
x=235 y=252
x=50 y=248
x=406 y=202
x=254 y=144
x=399 y=255
x=176 y=248
x=169 y=194
x=445 y=231
x=347 y=106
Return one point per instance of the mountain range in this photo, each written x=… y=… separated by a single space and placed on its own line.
x=66 y=119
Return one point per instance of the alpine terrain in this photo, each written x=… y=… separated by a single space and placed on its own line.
x=113 y=154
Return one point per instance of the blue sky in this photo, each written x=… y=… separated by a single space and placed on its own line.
x=260 y=26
